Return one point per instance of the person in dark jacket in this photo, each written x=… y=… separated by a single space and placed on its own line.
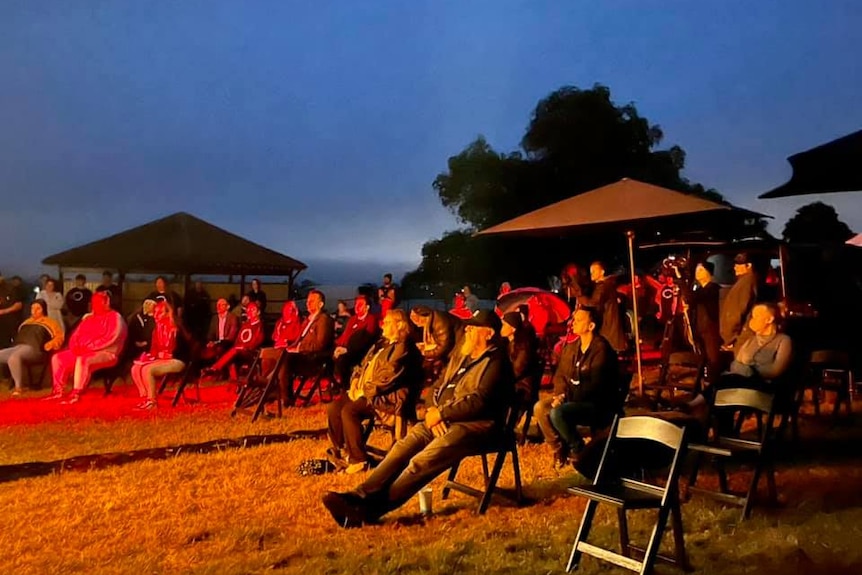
x=440 y=332
x=604 y=298
x=523 y=349
x=703 y=302
x=257 y=295
x=380 y=383
x=469 y=407
x=737 y=303
x=586 y=388
x=358 y=336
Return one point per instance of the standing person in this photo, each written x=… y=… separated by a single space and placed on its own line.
x=36 y=335
x=257 y=295
x=470 y=298
x=737 y=303
x=703 y=300
x=11 y=307
x=197 y=310
x=164 y=292
x=389 y=290
x=78 y=300
x=167 y=354
x=55 y=301
x=113 y=290
x=604 y=298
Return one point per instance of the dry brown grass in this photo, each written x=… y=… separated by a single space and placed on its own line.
x=248 y=511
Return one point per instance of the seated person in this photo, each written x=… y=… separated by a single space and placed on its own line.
x=240 y=310
x=469 y=409
x=761 y=358
x=313 y=347
x=439 y=333
x=586 y=385
x=168 y=354
x=380 y=383
x=358 y=335
x=224 y=327
x=141 y=325
x=523 y=348
x=36 y=335
x=248 y=341
x=459 y=307
x=341 y=316
x=288 y=327
x=96 y=344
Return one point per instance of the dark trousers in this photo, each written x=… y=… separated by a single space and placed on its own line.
x=416 y=460
x=710 y=347
x=342 y=368
x=345 y=426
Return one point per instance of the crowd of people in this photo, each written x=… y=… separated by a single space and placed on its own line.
x=455 y=374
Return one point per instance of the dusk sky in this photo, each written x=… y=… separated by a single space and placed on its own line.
x=317 y=128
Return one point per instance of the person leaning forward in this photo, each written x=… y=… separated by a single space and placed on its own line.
x=468 y=411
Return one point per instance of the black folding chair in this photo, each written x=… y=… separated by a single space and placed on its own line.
x=632 y=446
x=830 y=370
x=722 y=449
x=258 y=388
x=395 y=424
x=312 y=384
x=506 y=443
x=181 y=379
x=683 y=370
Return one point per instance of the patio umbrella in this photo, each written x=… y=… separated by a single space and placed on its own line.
x=558 y=310
x=631 y=207
x=855 y=241
x=835 y=166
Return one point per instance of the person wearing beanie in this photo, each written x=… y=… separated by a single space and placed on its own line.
x=703 y=303
x=523 y=348
x=738 y=302
x=468 y=410
x=37 y=335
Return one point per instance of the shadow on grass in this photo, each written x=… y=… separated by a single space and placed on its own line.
x=103 y=460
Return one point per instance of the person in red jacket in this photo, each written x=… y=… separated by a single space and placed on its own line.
x=247 y=342
x=288 y=327
x=95 y=344
x=162 y=358
x=460 y=309
x=358 y=336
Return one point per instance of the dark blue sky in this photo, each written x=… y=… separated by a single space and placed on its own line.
x=316 y=128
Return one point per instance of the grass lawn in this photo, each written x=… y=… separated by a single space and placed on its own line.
x=248 y=511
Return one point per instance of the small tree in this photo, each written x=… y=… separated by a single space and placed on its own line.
x=816 y=223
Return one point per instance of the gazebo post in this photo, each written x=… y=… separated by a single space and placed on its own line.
x=60 y=277
x=290 y=279
x=241 y=285
x=121 y=280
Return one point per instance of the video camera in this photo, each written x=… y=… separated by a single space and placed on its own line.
x=676 y=267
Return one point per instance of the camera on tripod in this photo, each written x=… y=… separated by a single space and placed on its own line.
x=675 y=267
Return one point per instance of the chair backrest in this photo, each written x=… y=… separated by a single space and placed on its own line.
x=686 y=359
x=830 y=358
x=644 y=434
x=742 y=398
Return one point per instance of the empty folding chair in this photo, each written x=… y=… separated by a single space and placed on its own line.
x=635 y=444
x=722 y=449
x=181 y=378
x=259 y=386
x=830 y=370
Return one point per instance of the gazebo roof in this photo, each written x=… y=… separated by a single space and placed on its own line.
x=179 y=243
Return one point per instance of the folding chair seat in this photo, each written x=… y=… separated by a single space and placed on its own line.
x=723 y=449
x=259 y=388
x=507 y=444
x=181 y=380
x=830 y=370
x=632 y=446
x=683 y=370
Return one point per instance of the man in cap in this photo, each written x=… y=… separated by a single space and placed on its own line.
x=737 y=303
x=468 y=409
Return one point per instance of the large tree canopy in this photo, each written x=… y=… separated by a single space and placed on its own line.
x=816 y=223
x=577 y=140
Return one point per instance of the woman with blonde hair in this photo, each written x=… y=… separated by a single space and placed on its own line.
x=168 y=354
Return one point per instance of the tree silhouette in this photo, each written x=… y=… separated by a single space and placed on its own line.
x=816 y=223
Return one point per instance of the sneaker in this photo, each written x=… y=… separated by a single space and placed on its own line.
x=148 y=405
x=73 y=398
x=358 y=467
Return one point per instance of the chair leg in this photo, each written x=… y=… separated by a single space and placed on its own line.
x=624 y=533
x=583 y=532
x=516 y=468
x=453 y=472
x=695 y=468
x=163 y=385
x=651 y=549
x=722 y=476
x=181 y=387
x=772 y=491
x=485 y=469
x=752 y=490
x=491 y=484
x=528 y=416
x=678 y=534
